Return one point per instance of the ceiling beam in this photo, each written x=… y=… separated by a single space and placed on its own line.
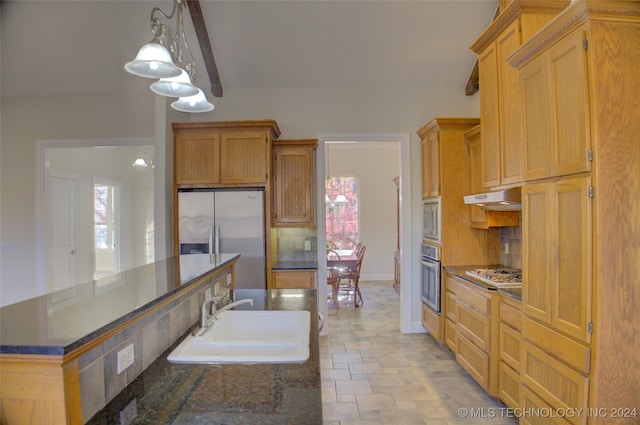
x=205 y=46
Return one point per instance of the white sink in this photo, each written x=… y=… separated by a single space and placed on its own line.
x=249 y=336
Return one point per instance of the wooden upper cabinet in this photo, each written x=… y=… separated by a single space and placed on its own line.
x=556 y=99
x=294 y=182
x=223 y=153
x=197 y=157
x=430 y=164
x=478 y=215
x=500 y=113
x=243 y=157
x=557 y=254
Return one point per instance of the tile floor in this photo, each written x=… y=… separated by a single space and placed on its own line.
x=373 y=374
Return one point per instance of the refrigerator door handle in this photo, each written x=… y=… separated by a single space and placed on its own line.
x=217 y=242
x=211 y=258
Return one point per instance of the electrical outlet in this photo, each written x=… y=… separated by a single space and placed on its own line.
x=125 y=358
x=129 y=413
x=506 y=247
x=307 y=245
x=228 y=279
x=208 y=293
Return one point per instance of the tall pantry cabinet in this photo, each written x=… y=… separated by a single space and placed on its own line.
x=581 y=234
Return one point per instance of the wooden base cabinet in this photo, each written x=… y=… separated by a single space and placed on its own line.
x=472 y=311
x=509 y=349
x=293 y=279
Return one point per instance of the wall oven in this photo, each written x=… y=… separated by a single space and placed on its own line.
x=430 y=285
x=431 y=220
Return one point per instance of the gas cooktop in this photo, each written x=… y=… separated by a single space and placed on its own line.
x=501 y=276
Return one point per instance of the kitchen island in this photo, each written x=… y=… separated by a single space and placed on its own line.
x=59 y=351
x=287 y=393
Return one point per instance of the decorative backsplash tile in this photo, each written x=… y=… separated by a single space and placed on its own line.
x=291 y=243
x=510 y=247
x=151 y=336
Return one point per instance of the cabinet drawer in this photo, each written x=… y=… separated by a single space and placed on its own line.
x=510 y=341
x=562 y=347
x=475 y=297
x=474 y=326
x=553 y=381
x=508 y=385
x=451 y=335
x=431 y=322
x=530 y=402
x=510 y=313
x=473 y=360
x=293 y=279
x=450 y=305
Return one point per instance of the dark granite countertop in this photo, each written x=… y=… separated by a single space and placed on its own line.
x=515 y=293
x=62 y=321
x=229 y=394
x=295 y=265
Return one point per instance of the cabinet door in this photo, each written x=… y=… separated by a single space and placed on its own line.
x=424 y=149
x=489 y=116
x=510 y=120
x=434 y=163
x=293 y=279
x=478 y=215
x=535 y=113
x=570 y=106
x=294 y=186
x=243 y=158
x=570 y=261
x=536 y=294
x=197 y=157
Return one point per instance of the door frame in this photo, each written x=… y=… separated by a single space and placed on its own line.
x=42 y=167
x=406 y=287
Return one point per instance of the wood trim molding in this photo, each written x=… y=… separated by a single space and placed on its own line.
x=268 y=125
x=195 y=11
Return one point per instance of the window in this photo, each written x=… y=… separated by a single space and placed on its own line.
x=342 y=211
x=105 y=223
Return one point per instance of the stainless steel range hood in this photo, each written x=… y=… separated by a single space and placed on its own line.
x=501 y=200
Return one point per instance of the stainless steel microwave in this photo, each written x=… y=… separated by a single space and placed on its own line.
x=431 y=220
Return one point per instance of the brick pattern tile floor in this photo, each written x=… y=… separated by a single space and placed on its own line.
x=372 y=374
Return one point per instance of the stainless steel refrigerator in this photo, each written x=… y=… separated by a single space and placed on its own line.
x=224 y=222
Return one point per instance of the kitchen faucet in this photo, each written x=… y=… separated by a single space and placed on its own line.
x=205 y=317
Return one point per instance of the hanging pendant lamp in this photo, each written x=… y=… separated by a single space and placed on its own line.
x=196 y=103
x=179 y=86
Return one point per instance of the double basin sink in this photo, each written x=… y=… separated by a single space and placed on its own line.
x=249 y=336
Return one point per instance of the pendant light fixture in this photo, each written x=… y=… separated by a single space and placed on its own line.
x=176 y=74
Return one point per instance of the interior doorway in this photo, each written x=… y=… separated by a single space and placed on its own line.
x=401 y=142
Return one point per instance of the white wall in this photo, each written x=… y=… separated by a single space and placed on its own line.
x=26 y=120
x=375 y=164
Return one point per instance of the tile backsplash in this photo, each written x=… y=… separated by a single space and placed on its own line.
x=151 y=336
x=510 y=247
x=290 y=243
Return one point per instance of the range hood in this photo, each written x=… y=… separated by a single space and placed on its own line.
x=501 y=200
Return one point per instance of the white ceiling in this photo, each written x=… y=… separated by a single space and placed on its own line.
x=53 y=47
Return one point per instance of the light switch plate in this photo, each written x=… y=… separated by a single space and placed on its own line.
x=208 y=293
x=228 y=279
x=307 y=245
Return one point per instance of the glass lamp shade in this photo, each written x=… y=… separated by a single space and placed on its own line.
x=153 y=61
x=341 y=199
x=179 y=86
x=196 y=103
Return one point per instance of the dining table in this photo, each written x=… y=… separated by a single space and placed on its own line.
x=343 y=259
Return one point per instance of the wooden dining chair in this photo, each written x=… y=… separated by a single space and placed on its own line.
x=348 y=280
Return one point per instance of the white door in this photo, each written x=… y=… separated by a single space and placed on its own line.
x=61 y=232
